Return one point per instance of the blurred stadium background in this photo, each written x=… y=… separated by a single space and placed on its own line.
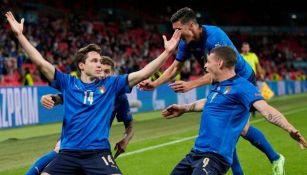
x=130 y=32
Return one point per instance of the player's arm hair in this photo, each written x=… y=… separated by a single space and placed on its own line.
x=170 y=73
x=129 y=131
x=44 y=66
x=273 y=116
x=143 y=74
x=196 y=106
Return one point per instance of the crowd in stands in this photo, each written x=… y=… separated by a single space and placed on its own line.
x=57 y=32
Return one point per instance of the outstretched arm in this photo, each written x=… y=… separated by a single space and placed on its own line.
x=167 y=76
x=277 y=118
x=136 y=77
x=185 y=86
x=176 y=110
x=45 y=67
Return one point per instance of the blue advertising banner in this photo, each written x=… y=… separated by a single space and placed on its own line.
x=20 y=106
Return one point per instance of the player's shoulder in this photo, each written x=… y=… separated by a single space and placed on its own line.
x=65 y=75
x=115 y=77
x=243 y=85
x=211 y=28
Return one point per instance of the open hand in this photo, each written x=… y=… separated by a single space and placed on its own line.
x=16 y=27
x=146 y=85
x=171 y=45
x=180 y=86
x=47 y=101
x=173 y=111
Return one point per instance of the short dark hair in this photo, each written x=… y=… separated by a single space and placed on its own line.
x=106 y=60
x=245 y=43
x=227 y=54
x=81 y=54
x=184 y=15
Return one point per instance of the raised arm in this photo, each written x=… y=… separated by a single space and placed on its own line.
x=169 y=74
x=277 y=118
x=45 y=67
x=136 y=77
x=176 y=110
x=185 y=86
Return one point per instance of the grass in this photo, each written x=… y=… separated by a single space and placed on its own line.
x=165 y=139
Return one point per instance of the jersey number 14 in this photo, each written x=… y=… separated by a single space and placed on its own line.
x=88 y=97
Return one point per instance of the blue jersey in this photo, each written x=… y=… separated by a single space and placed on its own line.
x=88 y=110
x=224 y=116
x=212 y=37
x=121 y=108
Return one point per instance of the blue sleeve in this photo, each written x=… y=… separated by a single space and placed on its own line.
x=60 y=81
x=123 y=111
x=217 y=37
x=54 y=84
x=121 y=84
x=249 y=94
x=182 y=53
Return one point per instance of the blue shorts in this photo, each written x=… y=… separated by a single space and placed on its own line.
x=200 y=163
x=93 y=162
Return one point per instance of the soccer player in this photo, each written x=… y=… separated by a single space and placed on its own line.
x=224 y=116
x=199 y=40
x=88 y=101
x=121 y=111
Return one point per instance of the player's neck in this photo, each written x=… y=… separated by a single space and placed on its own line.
x=87 y=79
x=225 y=75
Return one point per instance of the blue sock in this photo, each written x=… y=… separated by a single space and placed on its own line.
x=41 y=163
x=236 y=167
x=255 y=137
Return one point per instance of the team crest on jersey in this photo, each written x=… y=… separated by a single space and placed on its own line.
x=102 y=89
x=227 y=89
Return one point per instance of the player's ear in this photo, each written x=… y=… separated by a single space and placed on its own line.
x=81 y=65
x=221 y=63
x=191 y=25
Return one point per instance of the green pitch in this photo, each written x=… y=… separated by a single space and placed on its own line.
x=159 y=144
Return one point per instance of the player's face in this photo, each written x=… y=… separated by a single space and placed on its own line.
x=186 y=31
x=106 y=71
x=92 y=65
x=212 y=65
x=245 y=48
